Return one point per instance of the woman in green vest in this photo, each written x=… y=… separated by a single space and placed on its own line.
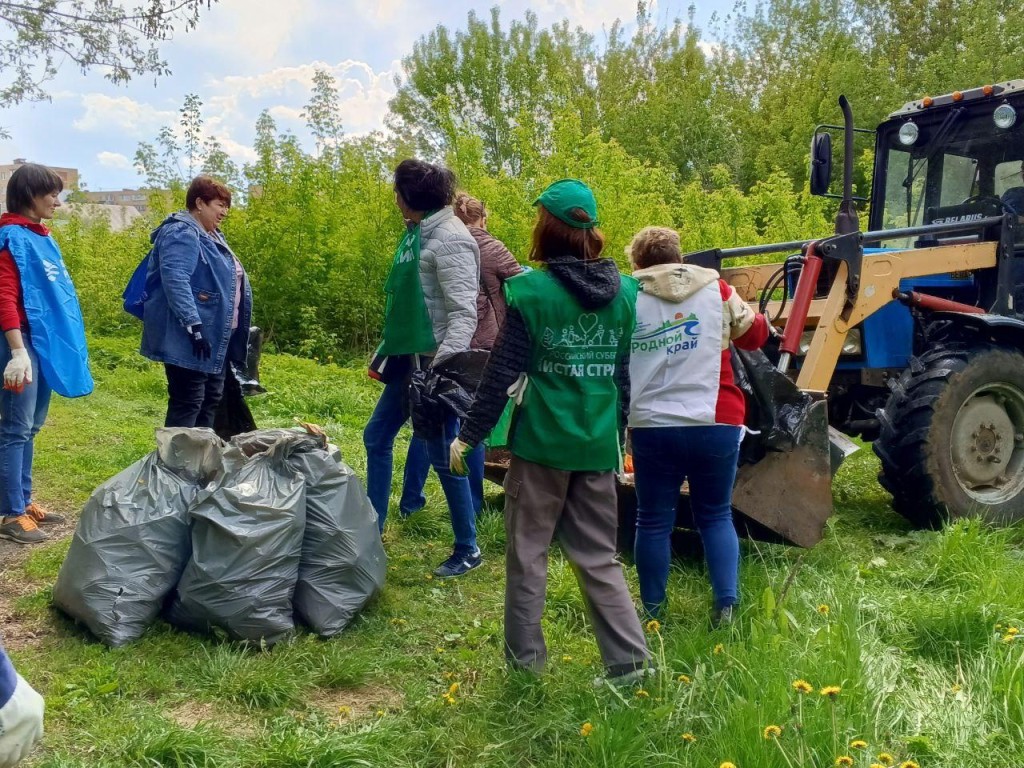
x=564 y=353
x=430 y=315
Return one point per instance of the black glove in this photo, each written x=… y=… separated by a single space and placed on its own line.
x=201 y=349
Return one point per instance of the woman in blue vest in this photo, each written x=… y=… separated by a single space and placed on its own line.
x=196 y=316
x=42 y=347
x=564 y=352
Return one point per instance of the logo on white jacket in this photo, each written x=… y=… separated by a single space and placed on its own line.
x=677 y=334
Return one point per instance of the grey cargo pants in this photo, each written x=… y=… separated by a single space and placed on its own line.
x=580 y=507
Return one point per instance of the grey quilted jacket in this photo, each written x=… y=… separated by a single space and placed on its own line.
x=450 y=276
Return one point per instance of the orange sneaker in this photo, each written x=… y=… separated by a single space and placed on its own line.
x=44 y=516
x=21 y=529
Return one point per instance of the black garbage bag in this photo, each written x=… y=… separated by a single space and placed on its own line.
x=776 y=409
x=248 y=375
x=445 y=389
x=246 y=545
x=343 y=563
x=232 y=416
x=132 y=539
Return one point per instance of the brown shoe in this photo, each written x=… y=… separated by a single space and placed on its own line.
x=21 y=529
x=44 y=516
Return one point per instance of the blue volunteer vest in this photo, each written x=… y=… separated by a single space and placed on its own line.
x=51 y=305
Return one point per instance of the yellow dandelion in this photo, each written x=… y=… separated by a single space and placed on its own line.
x=429 y=577
x=772 y=732
x=381 y=713
x=566 y=658
x=684 y=679
x=399 y=622
x=802 y=686
x=886 y=759
x=1012 y=631
x=999 y=627
x=653 y=626
x=439 y=649
x=727 y=765
x=831 y=691
x=1009 y=638
x=844 y=760
x=586 y=729
x=453 y=688
x=642 y=694
x=955 y=688
x=858 y=744
x=344 y=711
x=688 y=737
x=823 y=609
x=909 y=764
x=449 y=699
x=718 y=649
x=876 y=765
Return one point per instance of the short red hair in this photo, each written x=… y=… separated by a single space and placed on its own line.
x=553 y=238
x=207 y=189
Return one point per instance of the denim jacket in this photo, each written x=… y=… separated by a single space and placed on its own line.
x=193 y=275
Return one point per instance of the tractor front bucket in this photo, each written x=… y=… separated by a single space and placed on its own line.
x=789 y=492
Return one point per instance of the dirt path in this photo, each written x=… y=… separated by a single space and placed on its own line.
x=17 y=629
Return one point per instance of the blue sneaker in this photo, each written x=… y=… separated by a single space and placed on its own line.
x=458 y=564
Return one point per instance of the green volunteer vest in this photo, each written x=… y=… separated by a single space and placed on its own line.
x=407 y=326
x=569 y=417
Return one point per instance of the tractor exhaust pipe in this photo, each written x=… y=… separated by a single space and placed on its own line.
x=846 y=218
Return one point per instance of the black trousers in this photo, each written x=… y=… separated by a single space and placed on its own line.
x=192 y=396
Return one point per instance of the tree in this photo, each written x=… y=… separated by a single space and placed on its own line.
x=112 y=36
x=170 y=163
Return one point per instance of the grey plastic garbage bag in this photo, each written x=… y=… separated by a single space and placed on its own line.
x=246 y=544
x=343 y=562
x=132 y=539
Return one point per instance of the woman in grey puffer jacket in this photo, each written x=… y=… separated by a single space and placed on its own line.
x=430 y=315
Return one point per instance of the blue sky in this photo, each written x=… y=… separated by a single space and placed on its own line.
x=247 y=55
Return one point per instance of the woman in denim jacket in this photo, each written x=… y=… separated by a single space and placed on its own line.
x=197 y=313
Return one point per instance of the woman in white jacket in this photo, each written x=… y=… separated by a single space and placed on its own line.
x=686 y=413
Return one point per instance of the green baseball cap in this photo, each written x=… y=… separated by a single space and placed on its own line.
x=565 y=194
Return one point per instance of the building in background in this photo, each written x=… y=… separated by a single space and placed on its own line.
x=137 y=198
x=68 y=175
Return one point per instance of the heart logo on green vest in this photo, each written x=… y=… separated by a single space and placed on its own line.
x=587 y=324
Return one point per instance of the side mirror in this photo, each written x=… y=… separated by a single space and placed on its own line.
x=821 y=163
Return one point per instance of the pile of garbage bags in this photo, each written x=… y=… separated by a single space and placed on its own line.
x=246 y=538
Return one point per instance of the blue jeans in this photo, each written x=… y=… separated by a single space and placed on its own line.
x=379 y=438
x=417 y=467
x=21 y=416
x=663 y=457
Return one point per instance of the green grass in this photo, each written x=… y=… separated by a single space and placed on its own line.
x=910 y=625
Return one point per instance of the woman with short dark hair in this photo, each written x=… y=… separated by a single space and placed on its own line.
x=42 y=347
x=199 y=304
x=564 y=352
x=430 y=315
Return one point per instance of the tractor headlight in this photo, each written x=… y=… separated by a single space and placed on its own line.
x=909 y=133
x=1004 y=117
x=852 y=345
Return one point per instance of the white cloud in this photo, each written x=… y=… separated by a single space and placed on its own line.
x=254 y=30
x=121 y=115
x=114 y=160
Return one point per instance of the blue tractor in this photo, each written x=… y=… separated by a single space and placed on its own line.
x=908 y=333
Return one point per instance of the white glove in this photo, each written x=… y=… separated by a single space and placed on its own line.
x=18 y=372
x=457 y=457
x=21 y=724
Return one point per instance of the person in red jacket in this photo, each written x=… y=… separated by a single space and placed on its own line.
x=37 y=344
x=686 y=413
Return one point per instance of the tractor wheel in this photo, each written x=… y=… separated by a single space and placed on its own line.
x=952 y=435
